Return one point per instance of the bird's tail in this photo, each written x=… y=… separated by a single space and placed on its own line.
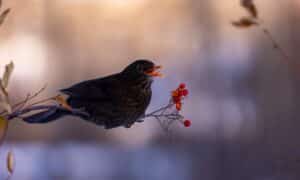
x=47 y=116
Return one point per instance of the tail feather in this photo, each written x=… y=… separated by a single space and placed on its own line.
x=46 y=116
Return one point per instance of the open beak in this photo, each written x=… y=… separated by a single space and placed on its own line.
x=154 y=72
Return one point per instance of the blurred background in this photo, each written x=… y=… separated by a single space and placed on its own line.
x=243 y=103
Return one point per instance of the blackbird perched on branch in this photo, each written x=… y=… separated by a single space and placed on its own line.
x=117 y=100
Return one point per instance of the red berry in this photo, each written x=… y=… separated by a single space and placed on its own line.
x=187 y=123
x=176 y=99
x=180 y=93
x=185 y=92
x=178 y=106
x=182 y=86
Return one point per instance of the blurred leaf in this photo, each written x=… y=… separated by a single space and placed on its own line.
x=61 y=100
x=244 y=22
x=3 y=91
x=3 y=16
x=0 y=3
x=4 y=101
x=3 y=128
x=250 y=7
x=7 y=74
x=10 y=162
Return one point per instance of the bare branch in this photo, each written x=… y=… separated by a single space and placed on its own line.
x=27 y=99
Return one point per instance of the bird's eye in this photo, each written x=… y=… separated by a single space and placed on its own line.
x=140 y=68
x=147 y=68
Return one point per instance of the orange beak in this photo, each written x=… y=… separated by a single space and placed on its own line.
x=154 y=72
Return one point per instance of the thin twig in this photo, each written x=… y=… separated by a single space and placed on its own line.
x=26 y=100
x=164 y=119
x=158 y=110
x=275 y=44
x=43 y=101
x=31 y=97
x=160 y=123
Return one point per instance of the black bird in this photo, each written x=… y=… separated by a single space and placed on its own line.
x=117 y=100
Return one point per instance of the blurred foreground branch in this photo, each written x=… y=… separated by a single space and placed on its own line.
x=253 y=21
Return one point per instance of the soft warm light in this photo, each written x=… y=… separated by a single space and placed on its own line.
x=124 y=4
x=29 y=55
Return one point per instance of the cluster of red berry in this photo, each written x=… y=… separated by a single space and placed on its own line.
x=177 y=96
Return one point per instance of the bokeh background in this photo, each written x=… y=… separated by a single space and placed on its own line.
x=243 y=103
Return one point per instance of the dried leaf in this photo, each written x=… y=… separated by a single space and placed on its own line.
x=250 y=7
x=3 y=128
x=61 y=100
x=4 y=101
x=7 y=74
x=244 y=22
x=3 y=16
x=10 y=162
x=3 y=92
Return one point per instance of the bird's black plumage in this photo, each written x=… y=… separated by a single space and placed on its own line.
x=112 y=101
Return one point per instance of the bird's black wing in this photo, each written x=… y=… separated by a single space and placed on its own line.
x=95 y=89
x=99 y=98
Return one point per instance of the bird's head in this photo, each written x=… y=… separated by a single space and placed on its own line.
x=143 y=68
